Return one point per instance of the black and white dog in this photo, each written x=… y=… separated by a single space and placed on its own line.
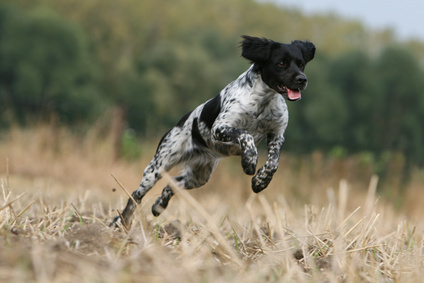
x=232 y=123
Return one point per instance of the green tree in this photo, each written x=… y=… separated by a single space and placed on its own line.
x=353 y=74
x=400 y=103
x=179 y=75
x=157 y=59
x=45 y=67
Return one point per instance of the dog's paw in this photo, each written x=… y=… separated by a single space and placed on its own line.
x=117 y=221
x=261 y=180
x=157 y=209
x=159 y=206
x=249 y=168
x=122 y=220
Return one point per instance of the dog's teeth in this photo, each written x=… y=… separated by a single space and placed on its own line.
x=282 y=88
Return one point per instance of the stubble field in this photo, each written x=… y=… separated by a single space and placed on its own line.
x=321 y=219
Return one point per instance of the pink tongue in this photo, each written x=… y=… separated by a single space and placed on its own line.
x=293 y=94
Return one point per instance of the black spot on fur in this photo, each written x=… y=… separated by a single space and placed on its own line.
x=180 y=124
x=195 y=135
x=179 y=178
x=162 y=140
x=210 y=111
x=183 y=119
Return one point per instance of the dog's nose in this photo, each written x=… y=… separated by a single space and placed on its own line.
x=301 y=79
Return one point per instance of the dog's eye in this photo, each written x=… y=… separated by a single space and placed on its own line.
x=281 y=64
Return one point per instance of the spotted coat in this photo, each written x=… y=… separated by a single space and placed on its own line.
x=232 y=123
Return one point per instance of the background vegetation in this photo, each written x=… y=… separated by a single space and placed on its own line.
x=153 y=61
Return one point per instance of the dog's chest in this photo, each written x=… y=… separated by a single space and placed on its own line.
x=259 y=116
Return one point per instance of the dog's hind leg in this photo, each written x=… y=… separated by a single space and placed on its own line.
x=194 y=176
x=150 y=176
x=161 y=202
x=166 y=157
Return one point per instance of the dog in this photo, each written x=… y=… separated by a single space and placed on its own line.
x=232 y=123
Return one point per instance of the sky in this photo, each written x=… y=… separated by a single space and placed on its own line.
x=405 y=17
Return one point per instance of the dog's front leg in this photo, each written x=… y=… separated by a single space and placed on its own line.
x=264 y=175
x=249 y=153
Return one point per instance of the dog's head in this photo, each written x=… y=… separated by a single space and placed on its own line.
x=281 y=65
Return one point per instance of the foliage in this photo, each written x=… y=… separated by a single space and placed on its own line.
x=157 y=60
x=45 y=67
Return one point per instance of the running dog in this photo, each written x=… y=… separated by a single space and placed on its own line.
x=232 y=123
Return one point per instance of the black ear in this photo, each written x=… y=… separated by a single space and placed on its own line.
x=307 y=48
x=255 y=49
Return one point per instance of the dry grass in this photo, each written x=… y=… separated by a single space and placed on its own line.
x=57 y=197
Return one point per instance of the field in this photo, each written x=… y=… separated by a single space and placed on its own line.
x=321 y=220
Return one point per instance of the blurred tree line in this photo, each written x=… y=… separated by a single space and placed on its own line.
x=155 y=60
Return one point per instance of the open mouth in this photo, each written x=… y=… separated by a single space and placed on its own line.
x=290 y=94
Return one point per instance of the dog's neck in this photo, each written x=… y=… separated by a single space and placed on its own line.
x=253 y=78
x=261 y=94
